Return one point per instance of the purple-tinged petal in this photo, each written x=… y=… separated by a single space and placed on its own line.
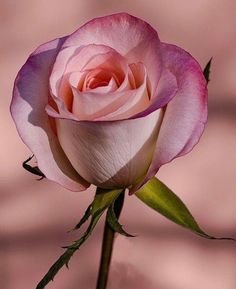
x=166 y=90
x=185 y=115
x=131 y=37
x=30 y=97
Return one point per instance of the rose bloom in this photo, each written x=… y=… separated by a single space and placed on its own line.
x=109 y=104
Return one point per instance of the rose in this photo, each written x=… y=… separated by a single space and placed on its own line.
x=109 y=104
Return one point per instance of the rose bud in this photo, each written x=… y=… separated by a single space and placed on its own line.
x=109 y=104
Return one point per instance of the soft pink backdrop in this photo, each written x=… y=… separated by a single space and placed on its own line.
x=34 y=216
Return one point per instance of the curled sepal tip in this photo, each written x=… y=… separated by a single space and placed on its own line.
x=112 y=218
x=207 y=70
x=32 y=169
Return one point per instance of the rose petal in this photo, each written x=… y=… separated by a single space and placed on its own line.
x=79 y=60
x=74 y=59
x=185 y=115
x=73 y=81
x=30 y=96
x=166 y=90
x=111 y=62
x=110 y=87
x=112 y=149
x=86 y=105
x=137 y=101
x=60 y=110
x=117 y=105
x=131 y=37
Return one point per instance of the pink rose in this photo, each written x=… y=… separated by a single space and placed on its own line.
x=109 y=104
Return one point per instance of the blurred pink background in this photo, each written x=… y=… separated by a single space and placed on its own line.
x=34 y=216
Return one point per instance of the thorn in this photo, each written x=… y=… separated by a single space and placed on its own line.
x=65 y=247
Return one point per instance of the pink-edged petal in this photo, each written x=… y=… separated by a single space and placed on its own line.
x=73 y=82
x=121 y=104
x=111 y=62
x=138 y=100
x=80 y=60
x=186 y=113
x=59 y=69
x=131 y=37
x=118 y=152
x=138 y=70
x=93 y=105
x=110 y=87
x=166 y=90
x=30 y=96
x=60 y=110
x=69 y=60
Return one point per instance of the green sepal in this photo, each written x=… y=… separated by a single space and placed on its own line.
x=207 y=70
x=102 y=200
x=159 y=197
x=112 y=218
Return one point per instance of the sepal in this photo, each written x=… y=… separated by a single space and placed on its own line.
x=33 y=170
x=207 y=70
x=112 y=218
x=159 y=197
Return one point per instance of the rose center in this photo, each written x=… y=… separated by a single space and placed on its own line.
x=96 y=79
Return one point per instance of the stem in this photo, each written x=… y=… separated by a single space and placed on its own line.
x=107 y=246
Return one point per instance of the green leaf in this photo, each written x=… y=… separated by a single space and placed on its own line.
x=207 y=70
x=112 y=216
x=159 y=197
x=102 y=200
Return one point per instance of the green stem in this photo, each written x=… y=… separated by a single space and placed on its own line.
x=107 y=246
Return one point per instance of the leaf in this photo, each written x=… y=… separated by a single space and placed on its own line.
x=101 y=202
x=207 y=70
x=159 y=197
x=112 y=217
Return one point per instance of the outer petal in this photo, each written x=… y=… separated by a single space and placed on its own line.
x=131 y=37
x=118 y=152
x=186 y=113
x=166 y=90
x=30 y=96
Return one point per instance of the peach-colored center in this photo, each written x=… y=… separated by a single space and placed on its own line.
x=99 y=84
